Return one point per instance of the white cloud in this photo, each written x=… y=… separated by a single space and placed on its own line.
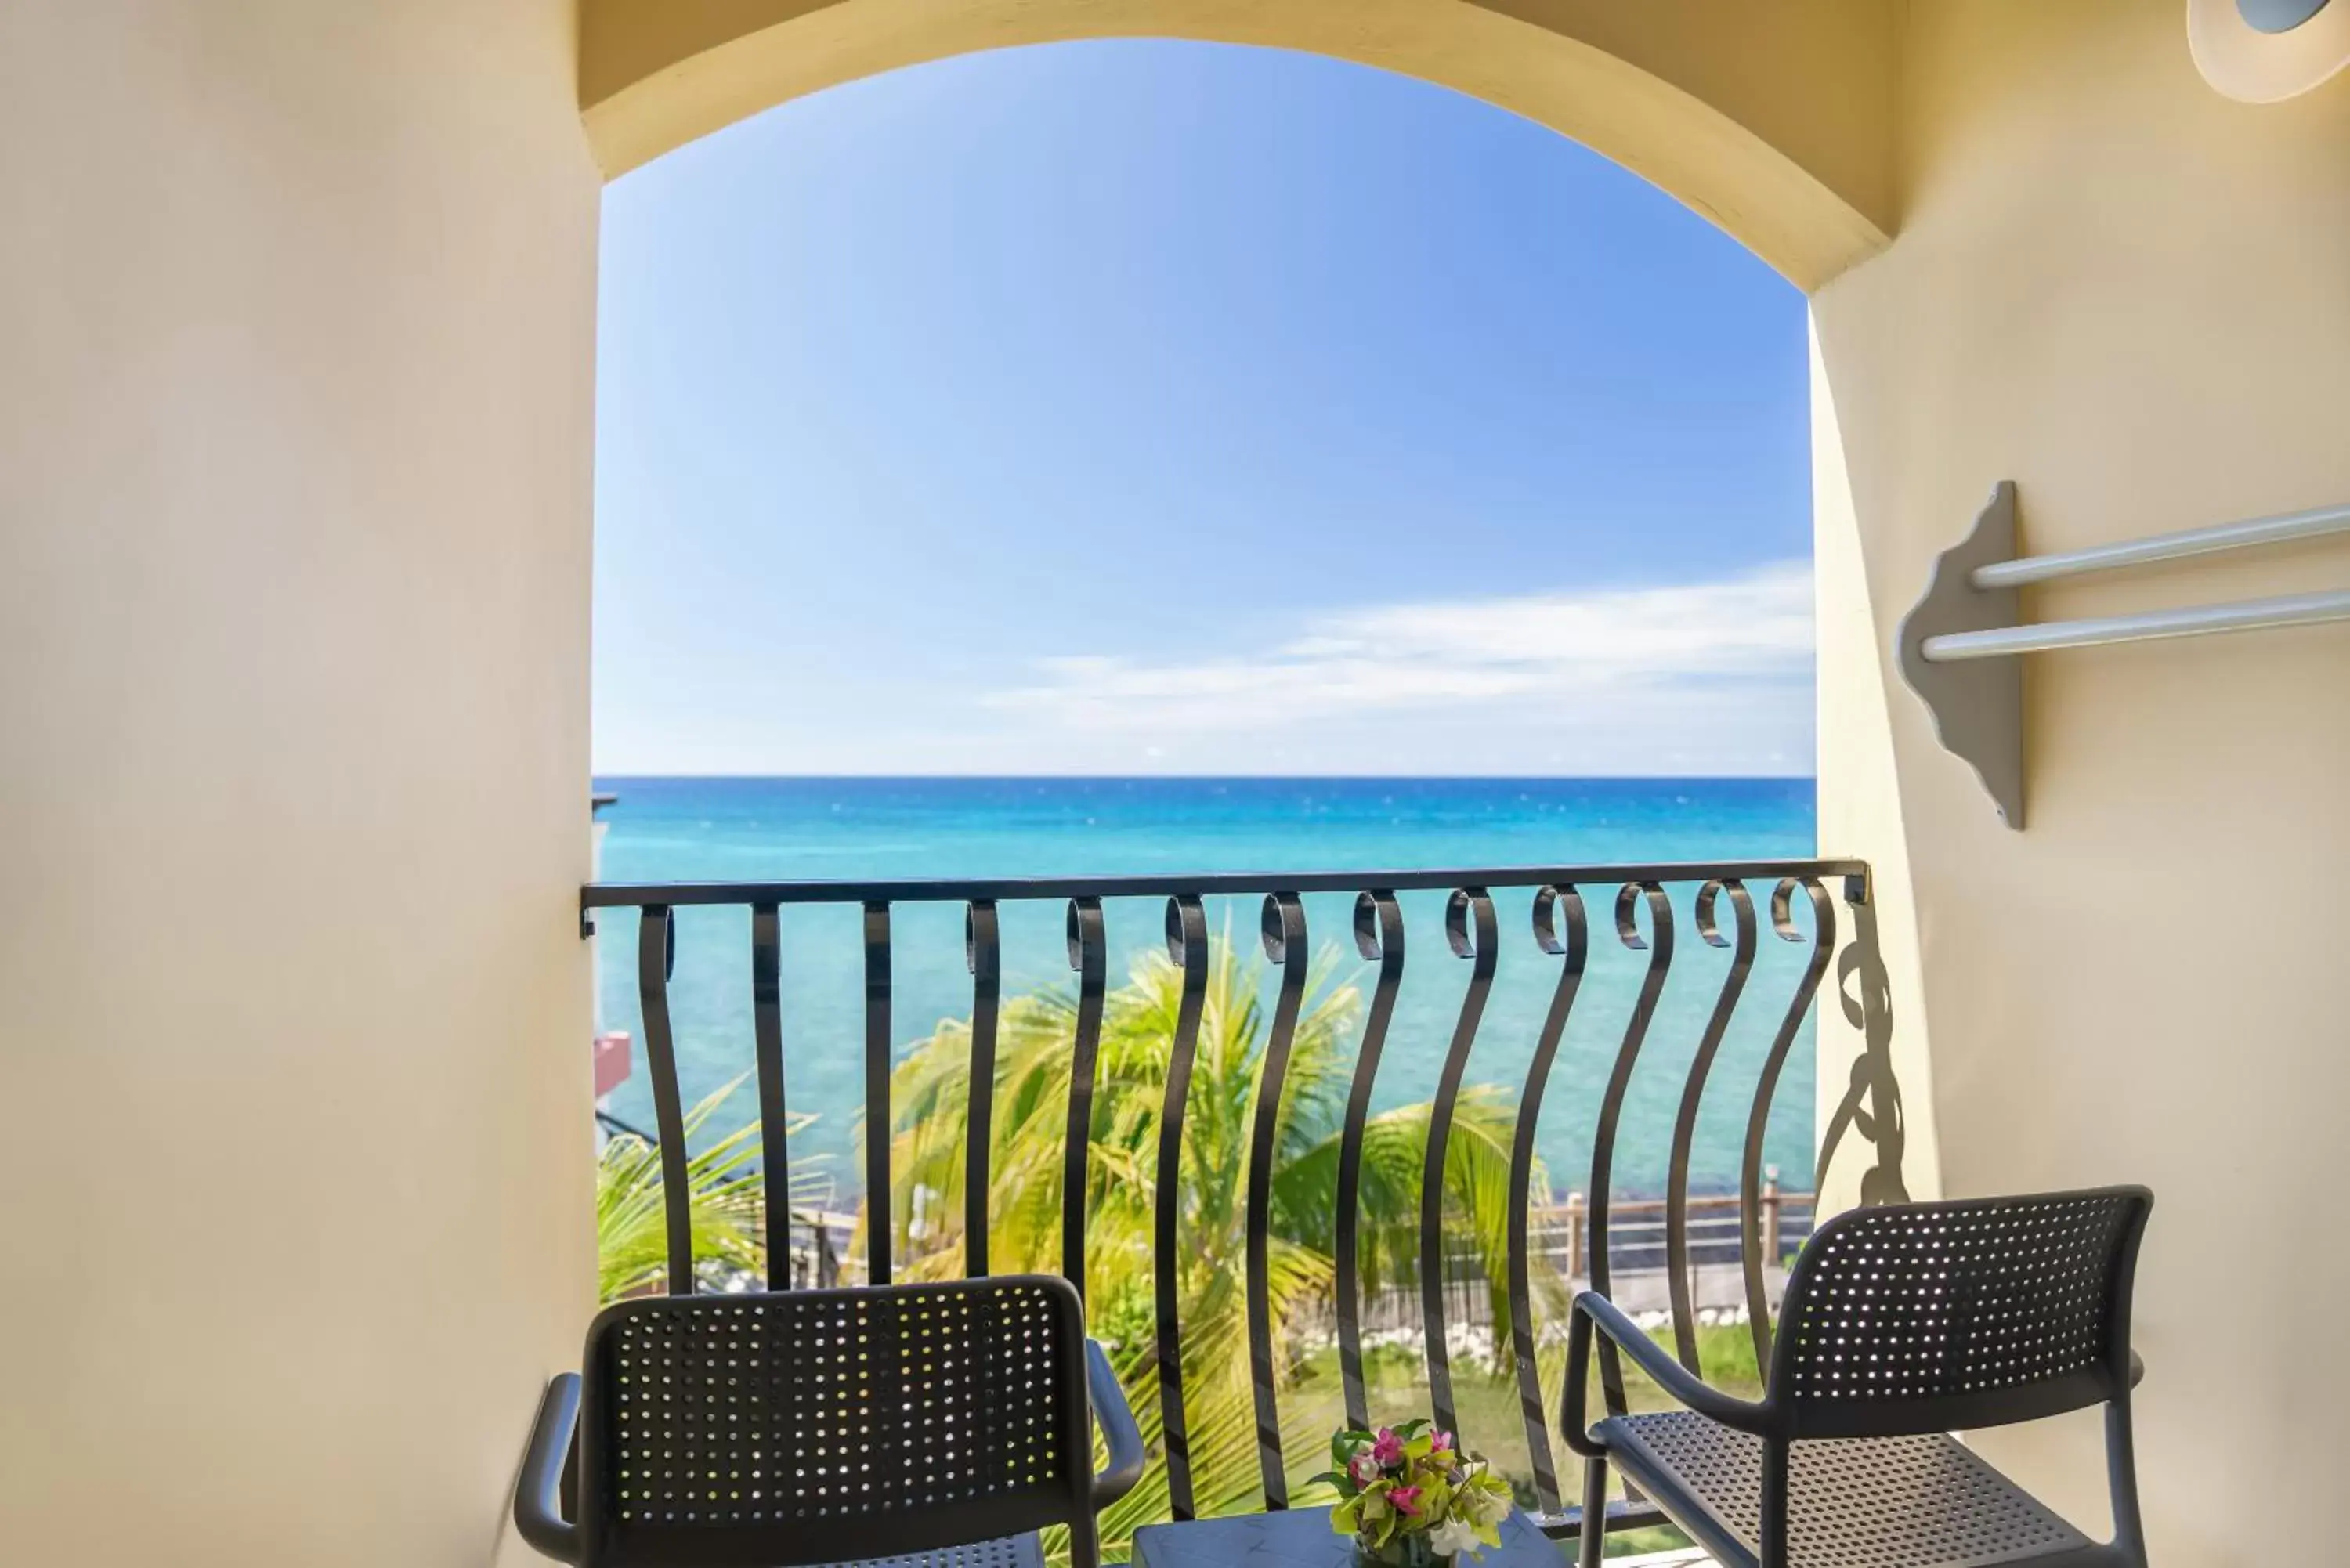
x=1684 y=679
x=1699 y=677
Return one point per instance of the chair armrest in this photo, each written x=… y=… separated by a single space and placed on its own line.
x=2137 y=1369
x=538 y=1490
x=1119 y=1433
x=1592 y=1308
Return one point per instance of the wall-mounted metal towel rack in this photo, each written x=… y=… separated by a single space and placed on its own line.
x=1955 y=647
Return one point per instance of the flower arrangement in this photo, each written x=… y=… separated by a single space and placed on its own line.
x=1410 y=1496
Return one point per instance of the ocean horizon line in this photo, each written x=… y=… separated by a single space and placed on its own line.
x=601 y=777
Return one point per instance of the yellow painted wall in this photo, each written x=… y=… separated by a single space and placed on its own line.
x=296 y=306
x=1771 y=119
x=2110 y=284
x=1873 y=1062
x=295 y=433
x=2132 y=297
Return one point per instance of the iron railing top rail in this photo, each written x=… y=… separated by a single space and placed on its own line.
x=1214 y=884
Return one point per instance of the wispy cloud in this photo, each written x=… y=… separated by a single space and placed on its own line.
x=1678 y=678
x=1690 y=658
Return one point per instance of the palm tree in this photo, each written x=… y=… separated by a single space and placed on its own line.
x=1031 y=1101
x=729 y=1214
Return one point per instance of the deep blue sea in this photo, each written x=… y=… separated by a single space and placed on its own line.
x=778 y=828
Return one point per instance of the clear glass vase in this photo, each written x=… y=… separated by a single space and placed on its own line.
x=1403 y=1551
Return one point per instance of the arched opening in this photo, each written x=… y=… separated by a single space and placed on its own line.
x=709 y=998
x=1776 y=129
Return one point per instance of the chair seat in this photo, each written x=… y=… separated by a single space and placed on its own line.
x=1009 y=1552
x=1862 y=1502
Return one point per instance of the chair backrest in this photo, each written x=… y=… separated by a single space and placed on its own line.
x=816 y=1425
x=1934 y=1317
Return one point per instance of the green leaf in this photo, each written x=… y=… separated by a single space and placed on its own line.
x=725 y=1201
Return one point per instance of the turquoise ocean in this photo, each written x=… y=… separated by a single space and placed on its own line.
x=672 y=829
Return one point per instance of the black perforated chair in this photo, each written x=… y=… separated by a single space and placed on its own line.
x=1901 y=1324
x=939 y=1424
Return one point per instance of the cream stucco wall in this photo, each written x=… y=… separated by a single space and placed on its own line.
x=1770 y=118
x=296 y=304
x=295 y=346
x=1874 y=1061
x=2132 y=297
x=2109 y=284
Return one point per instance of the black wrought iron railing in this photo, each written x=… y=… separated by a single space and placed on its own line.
x=1722 y=909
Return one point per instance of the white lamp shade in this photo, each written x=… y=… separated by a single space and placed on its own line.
x=2254 y=66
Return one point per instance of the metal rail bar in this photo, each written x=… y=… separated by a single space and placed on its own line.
x=1285 y=944
x=1470 y=928
x=2285 y=528
x=1956 y=647
x=2147 y=625
x=612 y=1124
x=1089 y=950
x=984 y=950
x=1187 y=945
x=1611 y=1106
x=767 y=1029
x=917 y=890
x=1379 y=937
x=880 y=1213
x=1701 y=1068
x=656 y=962
x=1575 y=951
x=1699 y=1202
x=1758 y=1117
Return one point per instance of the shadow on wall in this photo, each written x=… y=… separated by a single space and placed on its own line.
x=1871 y=1107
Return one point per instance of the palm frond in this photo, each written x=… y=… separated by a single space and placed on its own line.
x=726 y=1204
x=931 y=1092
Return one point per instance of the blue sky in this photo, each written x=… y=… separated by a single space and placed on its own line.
x=1140 y=407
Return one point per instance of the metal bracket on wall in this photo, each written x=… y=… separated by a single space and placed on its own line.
x=1978 y=706
x=1956 y=647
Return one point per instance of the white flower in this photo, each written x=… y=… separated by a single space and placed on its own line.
x=1481 y=1506
x=1452 y=1535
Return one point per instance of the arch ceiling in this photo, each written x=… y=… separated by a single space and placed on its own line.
x=1770 y=117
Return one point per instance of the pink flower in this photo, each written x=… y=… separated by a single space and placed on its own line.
x=1387 y=1448
x=1439 y=1442
x=1405 y=1498
x=1363 y=1468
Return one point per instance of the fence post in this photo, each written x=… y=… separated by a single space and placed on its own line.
x=1771 y=1216
x=1574 y=1235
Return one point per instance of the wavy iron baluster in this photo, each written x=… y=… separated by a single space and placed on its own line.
x=767 y=1029
x=1379 y=937
x=1742 y=962
x=1575 y=949
x=1088 y=956
x=881 y=1214
x=1758 y=1117
x=1187 y=945
x=656 y=962
x=982 y=951
x=1470 y=928
x=1628 y=898
x=1283 y=927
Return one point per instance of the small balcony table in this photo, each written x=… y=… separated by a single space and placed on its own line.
x=1302 y=1538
